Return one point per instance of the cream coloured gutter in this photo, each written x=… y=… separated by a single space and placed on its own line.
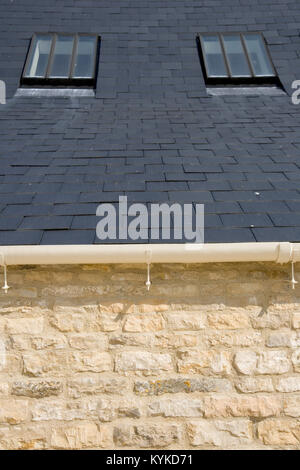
x=279 y=252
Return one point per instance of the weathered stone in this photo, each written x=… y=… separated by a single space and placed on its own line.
x=126 y=339
x=25 y=437
x=23 y=342
x=176 y=407
x=245 y=362
x=116 y=307
x=126 y=277
x=88 y=341
x=144 y=322
x=222 y=406
x=30 y=325
x=180 y=384
x=2 y=354
x=147 y=435
x=288 y=384
x=76 y=320
x=274 y=317
x=93 y=408
x=222 y=434
x=37 y=389
x=186 y=321
x=273 y=362
x=57 y=410
x=247 y=289
x=296 y=360
x=60 y=276
x=57 y=341
x=146 y=308
x=4 y=389
x=12 y=365
x=231 y=319
x=109 y=321
x=101 y=408
x=29 y=292
x=72 y=291
x=233 y=338
x=279 y=432
x=22 y=309
x=283 y=339
x=296 y=320
x=144 y=362
x=36 y=364
x=291 y=406
x=40 y=276
x=204 y=362
x=90 y=361
x=248 y=362
x=129 y=412
x=174 y=341
x=254 y=384
x=107 y=409
x=79 y=436
x=93 y=385
x=37 y=275
x=13 y=411
x=181 y=290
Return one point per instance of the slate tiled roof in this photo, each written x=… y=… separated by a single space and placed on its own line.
x=152 y=132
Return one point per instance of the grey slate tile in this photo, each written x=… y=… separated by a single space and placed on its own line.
x=43 y=223
x=74 y=209
x=286 y=220
x=222 y=208
x=265 y=207
x=277 y=234
x=68 y=237
x=200 y=197
x=85 y=222
x=228 y=235
x=27 y=209
x=21 y=237
x=246 y=220
x=56 y=198
x=294 y=206
x=10 y=223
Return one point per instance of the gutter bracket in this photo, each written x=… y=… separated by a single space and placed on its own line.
x=293 y=280
x=5 y=286
x=148 y=261
x=285 y=252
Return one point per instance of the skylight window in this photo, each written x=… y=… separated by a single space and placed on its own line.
x=61 y=59
x=233 y=58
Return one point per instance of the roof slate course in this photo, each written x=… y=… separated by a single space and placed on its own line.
x=151 y=132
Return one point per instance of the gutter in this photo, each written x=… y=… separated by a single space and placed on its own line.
x=278 y=252
x=281 y=252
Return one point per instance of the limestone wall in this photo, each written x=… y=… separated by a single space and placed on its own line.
x=209 y=358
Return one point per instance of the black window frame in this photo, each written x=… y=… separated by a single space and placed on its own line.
x=71 y=81
x=234 y=80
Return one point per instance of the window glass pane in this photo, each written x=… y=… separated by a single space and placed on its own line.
x=39 y=56
x=215 y=64
x=236 y=56
x=62 y=57
x=84 y=62
x=258 y=55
